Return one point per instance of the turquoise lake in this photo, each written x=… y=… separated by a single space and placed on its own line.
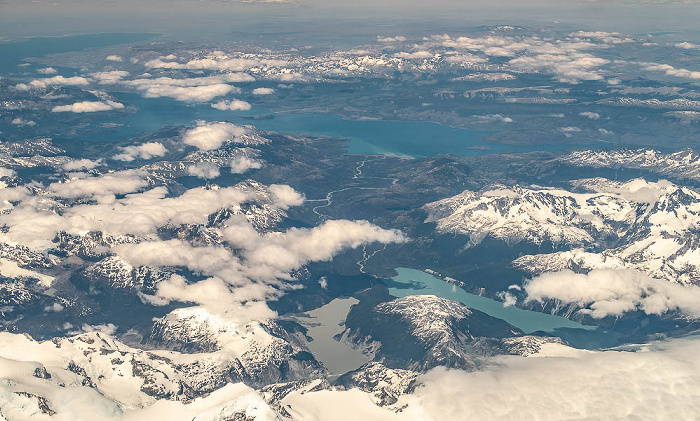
x=147 y=115
x=407 y=138
x=416 y=282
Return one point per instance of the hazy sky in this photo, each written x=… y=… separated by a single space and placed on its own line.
x=53 y=17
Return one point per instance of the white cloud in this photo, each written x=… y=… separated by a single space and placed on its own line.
x=11 y=269
x=145 y=151
x=205 y=170
x=105 y=329
x=21 y=122
x=114 y=58
x=144 y=83
x=687 y=45
x=570 y=129
x=88 y=107
x=589 y=114
x=197 y=89
x=104 y=185
x=33 y=225
x=110 y=77
x=6 y=172
x=241 y=164
x=207 y=136
x=492 y=118
x=415 y=55
x=567 y=68
x=387 y=40
x=613 y=292
x=190 y=93
x=46 y=71
x=232 y=105
x=239 y=286
x=671 y=71
x=567 y=59
x=263 y=91
x=51 y=81
x=685 y=116
x=220 y=62
x=602 y=36
x=81 y=164
x=658 y=382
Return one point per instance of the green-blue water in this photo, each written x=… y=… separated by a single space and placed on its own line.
x=410 y=138
x=12 y=53
x=147 y=115
x=416 y=282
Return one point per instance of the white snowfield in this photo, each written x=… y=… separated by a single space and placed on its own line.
x=657 y=381
x=648 y=226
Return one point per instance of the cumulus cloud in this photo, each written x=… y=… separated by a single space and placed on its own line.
x=613 y=292
x=141 y=214
x=669 y=70
x=687 y=45
x=81 y=164
x=88 y=107
x=22 y=122
x=46 y=71
x=388 y=40
x=660 y=381
x=197 y=89
x=263 y=91
x=207 y=136
x=215 y=61
x=241 y=164
x=189 y=93
x=601 y=36
x=415 y=55
x=205 y=170
x=567 y=68
x=567 y=59
x=231 y=105
x=7 y=172
x=589 y=114
x=109 y=77
x=145 y=151
x=569 y=130
x=636 y=190
x=114 y=58
x=53 y=81
x=261 y=269
x=492 y=118
x=104 y=185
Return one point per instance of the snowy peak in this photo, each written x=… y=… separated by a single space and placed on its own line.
x=418 y=333
x=605 y=209
x=684 y=165
x=426 y=315
x=516 y=214
x=258 y=353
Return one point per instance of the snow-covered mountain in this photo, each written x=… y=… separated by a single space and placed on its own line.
x=420 y=332
x=683 y=165
x=257 y=353
x=534 y=215
x=92 y=373
x=644 y=225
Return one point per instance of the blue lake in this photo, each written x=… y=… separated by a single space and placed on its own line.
x=12 y=53
x=409 y=138
x=416 y=282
